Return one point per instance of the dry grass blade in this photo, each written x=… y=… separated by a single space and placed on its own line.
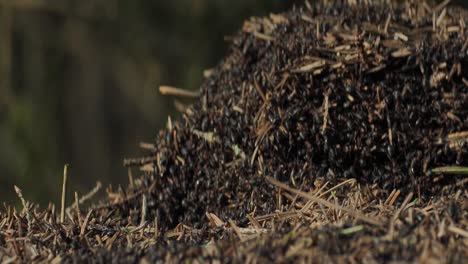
x=324 y=202
x=64 y=193
x=350 y=181
x=458 y=135
x=85 y=223
x=310 y=67
x=458 y=231
x=236 y=230
x=325 y=111
x=450 y=170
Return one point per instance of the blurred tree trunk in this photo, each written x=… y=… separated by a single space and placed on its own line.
x=83 y=102
x=6 y=16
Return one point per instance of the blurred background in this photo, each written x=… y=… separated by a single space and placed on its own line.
x=79 y=78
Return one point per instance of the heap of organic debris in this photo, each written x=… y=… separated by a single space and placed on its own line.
x=332 y=91
x=335 y=130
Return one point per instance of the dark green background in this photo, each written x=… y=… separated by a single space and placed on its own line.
x=79 y=78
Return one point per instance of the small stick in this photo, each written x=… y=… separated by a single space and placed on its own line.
x=214 y=219
x=389 y=197
x=395 y=196
x=402 y=207
x=83 y=227
x=387 y=23
x=147 y=146
x=263 y=36
x=401 y=36
x=236 y=230
x=458 y=135
x=391 y=230
x=441 y=17
x=318 y=29
x=143 y=210
x=64 y=190
x=254 y=222
x=259 y=90
x=130 y=177
x=325 y=114
x=351 y=181
x=441 y=5
x=138 y=161
x=156 y=227
x=77 y=207
x=169 y=90
x=458 y=231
